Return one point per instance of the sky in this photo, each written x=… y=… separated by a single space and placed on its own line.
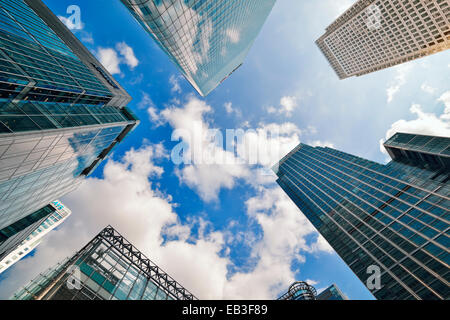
x=226 y=230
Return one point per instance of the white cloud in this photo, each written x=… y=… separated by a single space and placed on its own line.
x=146 y=101
x=112 y=59
x=445 y=98
x=288 y=103
x=127 y=199
x=77 y=27
x=207 y=179
x=270 y=142
x=271 y=109
x=321 y=245
x=87 y=37
x=319 y=143
x=287 y=106
x=109 y=59
x=174 y=82
x=276 y=251
x=311 y=282
x=72 y=24
x=424 y=123
x=128 y=55
x=399 y=80
x=212 y=166
x=230 y=109
x=427 y=88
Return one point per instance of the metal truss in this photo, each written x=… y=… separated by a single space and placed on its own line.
x=300 y=291
x=150 y=269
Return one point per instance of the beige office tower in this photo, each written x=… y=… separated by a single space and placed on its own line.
x=373 y=35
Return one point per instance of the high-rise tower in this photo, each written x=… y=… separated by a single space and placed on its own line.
x=18 y=240
x=107 y=268
x=389 y=223
x=206 y=39
x=61 y=112
x=377 y=34
x=331 y=293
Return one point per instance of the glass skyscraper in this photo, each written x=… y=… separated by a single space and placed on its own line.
x=107 y=268
x=15 y=248
x=331 y=293
x=393 y=217
x=206 y=39
x=376 y=34
x=61 y=112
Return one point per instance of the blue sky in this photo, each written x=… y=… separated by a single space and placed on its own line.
x=226 y=231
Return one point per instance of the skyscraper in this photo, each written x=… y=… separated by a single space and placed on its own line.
x=13 y=251
x=107 y=268
x=61 y=112
x=387 y=222
x=331 y=293
x=206 y=39
x=377 y=34
x=299 y=290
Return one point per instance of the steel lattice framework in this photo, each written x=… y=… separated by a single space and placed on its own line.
x=137 y=258
x=299 y=291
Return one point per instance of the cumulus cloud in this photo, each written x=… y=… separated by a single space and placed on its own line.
x=445 y=98
x=287 y=106
x=427 y=88
x=72 y=24
x=319 y=143
x=276 y=251
x=203 y=171
x=127 y=54
x=424 y=123
x=128 y=199
x=146 y=101
x=112 y=58
x=401 y=72
x=229 y=107
x=175 y=83
x=232 y=110
x=213 y=159
x=109 y=59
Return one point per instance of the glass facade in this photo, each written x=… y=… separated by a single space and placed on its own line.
x=61 y=112
x=376 y=34
x=22 y=238
x=15 y=233
x=107 y=268
x=331 y=293
x=393 y=216
x=206 y=39
x=33 y=57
